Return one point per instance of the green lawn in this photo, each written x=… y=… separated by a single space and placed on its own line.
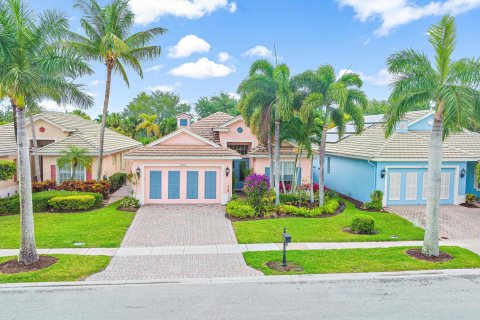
x=326 y=229
x=67 y=268
x=360 y=260
x=103 y=227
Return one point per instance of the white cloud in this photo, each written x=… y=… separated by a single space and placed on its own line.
x=50 y=105
x=154 y=68
x=91 y=94
x=224 y=57
x=394 y=13
x=187 y=46
x=258 y=51
x=95 y=82
x=201 y=69
x=382 y=78
x=234 y=95
x=162 y=88
x=147 y=11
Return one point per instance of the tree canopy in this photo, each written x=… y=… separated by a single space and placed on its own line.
x=163 y=104
x=223 y=102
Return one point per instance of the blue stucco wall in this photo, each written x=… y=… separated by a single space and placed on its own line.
x=351 y=177
x=422 y=125
x=470 y=185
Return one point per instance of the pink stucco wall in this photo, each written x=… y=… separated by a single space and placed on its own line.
x=9 y=187
x=259 y=164
x=224 y=183
x=50 y=132
x=233 y=135
x=183 y=139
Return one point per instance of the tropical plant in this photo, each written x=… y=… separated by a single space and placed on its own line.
x=450 y=87
x=7 y=170
x=75 y=156
x=34 y=66
x=164 y=104
x=223 y=102
x=108 y=40
x=148 y=124
x=80 y=113
x=333 y=99
x=267 y=88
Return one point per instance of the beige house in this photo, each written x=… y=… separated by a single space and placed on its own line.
x=56 y=131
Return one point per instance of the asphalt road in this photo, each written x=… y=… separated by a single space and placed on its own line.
x=450 y=297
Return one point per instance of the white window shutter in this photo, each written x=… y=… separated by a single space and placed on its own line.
x=445 y=186
x=395 y=183
x=425 y=185
x=411 y=192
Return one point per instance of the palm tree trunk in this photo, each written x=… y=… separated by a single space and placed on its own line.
x=104 y=119
x=28 y=250
x=74 y=167
x=14 y=113
x=270 y=158
x=38 y=174
x=312 y=198
x=321 y=171
x=276 y=151
x=430 y=242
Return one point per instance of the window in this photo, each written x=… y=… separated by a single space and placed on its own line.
x=287 y=169
x=240 y=148
x=239 y=129
x=411 y=193
x=395 y=182
x=183 y=122
x=328 y=165
x=445 y=186
x=65 y=173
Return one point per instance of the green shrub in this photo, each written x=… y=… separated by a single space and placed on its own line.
x=86 y=186
x=40 y=200
x=363 y=223
x=44 y=185
x=470 y=199
x=328 y=208
x=129 y=203
x=117 y=180
x=7 y=169
x=288 y=198
x=375 y=203
x=83 y=202
x=240 y=209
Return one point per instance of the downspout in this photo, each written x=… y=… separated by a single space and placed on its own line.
x=374 y=165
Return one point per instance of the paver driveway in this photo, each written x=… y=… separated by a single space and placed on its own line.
x=179 y=225
x=164 y=227
x=456 y=222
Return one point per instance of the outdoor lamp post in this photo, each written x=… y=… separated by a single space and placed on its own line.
x=286 y=240
x=227 y=171
x=137 y=171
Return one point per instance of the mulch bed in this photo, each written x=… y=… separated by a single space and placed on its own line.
x=12 y=266
x=349 y=230
x=277 y=265
x=469 y=205
x=417 y=254
x=277 y=215
x=127 y=209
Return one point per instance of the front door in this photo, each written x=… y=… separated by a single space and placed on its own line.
x=240 y=170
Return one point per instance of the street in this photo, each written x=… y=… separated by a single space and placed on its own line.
x=417 y=297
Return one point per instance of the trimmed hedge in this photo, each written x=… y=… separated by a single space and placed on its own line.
x=40 y=201
x=240 y=209
x=84 y=202
x=363 y=223
x=7 y=169
x=86 y=186
x=117 y=180
x=44 y=185
x=327 y=208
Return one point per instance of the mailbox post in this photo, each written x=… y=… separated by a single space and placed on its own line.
x=286 y=240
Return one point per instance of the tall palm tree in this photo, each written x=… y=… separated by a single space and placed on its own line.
x=332 y=98
x=33 y=65
x=148 y=124
x=75 y=156
x=268 y=85
x=451 y=87
x=108 y=40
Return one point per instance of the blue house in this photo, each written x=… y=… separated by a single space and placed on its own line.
x=359 y=164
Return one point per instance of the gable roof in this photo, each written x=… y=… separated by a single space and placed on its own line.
x=181 y=151
x=83 y=133
x=179 y=131
x=205 y=127
x=372 y=144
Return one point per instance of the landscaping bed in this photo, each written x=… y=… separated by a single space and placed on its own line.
x=104 y=228
x=357 y=260
x=65 y=268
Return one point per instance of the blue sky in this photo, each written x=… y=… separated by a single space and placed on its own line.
x=211 y=43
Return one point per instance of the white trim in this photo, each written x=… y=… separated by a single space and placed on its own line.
x=457 y=199
x=397 y=176
x=413 y=187
x=421 y=118
x=418 y=159
x=443 y=185
x=42 y=117
x=475 y=180
x=181 y=157
x=57 y=169
x=177 y=132
x=229 y=122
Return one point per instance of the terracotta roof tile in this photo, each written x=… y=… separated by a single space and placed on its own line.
x=182 y=151
x=205 y=126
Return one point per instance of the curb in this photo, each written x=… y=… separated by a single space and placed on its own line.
x=404 y=275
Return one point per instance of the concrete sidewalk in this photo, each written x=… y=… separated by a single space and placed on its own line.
x=471 y=244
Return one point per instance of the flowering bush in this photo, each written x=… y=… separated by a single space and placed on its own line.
x=285 y=187
x=101 y=187
x=256 y=187
x=44 y=186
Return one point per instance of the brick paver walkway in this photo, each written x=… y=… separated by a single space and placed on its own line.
x=456 y=222
x=124 y=191
x=179 y=225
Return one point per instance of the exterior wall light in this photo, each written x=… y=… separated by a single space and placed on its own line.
x=462 y=173
x=137 y=171
x=227 y=171
x=383 y=173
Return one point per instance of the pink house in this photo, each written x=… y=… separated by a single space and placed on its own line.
x=205 y=161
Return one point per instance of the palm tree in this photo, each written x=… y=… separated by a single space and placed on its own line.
x=333 y=99
x=75 y=156
x=267 y=85
x=148 y=124
x=451 y=87
x=80 y=113
x=108 y=41
x=33 y=65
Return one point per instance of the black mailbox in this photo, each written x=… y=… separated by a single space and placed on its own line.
x=287 y=238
